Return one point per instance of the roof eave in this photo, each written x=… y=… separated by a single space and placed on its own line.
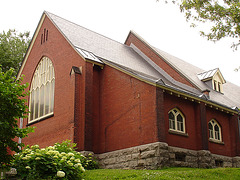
x=31 y=45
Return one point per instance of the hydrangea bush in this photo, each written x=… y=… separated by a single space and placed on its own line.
x=60 y=161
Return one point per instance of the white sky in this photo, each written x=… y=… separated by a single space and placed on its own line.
x=161 y=25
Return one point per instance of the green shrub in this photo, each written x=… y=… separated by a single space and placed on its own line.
x=60 y=161
x=89 y=162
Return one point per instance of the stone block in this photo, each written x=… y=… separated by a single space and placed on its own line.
x=133 y=164
x=135 y=150
x=192 y=153
x=193 y=165
x=163 y=145
x=155 y=161
x=127 y=151
x=227 y=164
x=128 y=157
x=204 y=153
x=141 y=163
x=147 y=154
x=149 y=161
x=236 y=162
x=102 y=156
x=191 y=159
x=164 y=153
x=136 y=156
x=112 y=160
x=144 y=148
x=120 y=159
x=171 y=155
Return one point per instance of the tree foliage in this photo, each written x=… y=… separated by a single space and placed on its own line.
x=12 y=49
x=12 y=107
x=222 y=15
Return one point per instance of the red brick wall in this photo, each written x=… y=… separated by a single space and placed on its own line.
x=127 y=112
x=61 y=126
x=193 y=127
x=155 y=58
x=227 y=133
x=188 y=109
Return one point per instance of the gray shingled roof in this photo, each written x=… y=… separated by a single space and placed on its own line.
x=231 y=92
x=131 y=59
x=102 y=46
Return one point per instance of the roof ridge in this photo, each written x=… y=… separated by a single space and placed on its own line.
x=49 y=13
x=156 y=50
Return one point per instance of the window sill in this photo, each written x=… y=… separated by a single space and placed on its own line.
x=216 y=141
x=171 y=131
x=40 y=119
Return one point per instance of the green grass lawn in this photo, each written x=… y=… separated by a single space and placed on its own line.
x=168 y=173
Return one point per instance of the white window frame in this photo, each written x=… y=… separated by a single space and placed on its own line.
x=213 y=134
x=217 y=85
x=174 y=124
x=41 y=101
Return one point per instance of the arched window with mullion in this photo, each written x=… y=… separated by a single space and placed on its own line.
x=42 y=90
x=214 y=130
x=176 y=120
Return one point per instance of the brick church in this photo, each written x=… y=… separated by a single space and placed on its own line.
x=130 y=104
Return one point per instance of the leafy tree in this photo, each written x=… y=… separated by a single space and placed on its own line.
x=223 y=17
x=12 y=49
x=12 y=107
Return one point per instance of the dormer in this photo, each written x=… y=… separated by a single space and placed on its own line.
x=213 y=78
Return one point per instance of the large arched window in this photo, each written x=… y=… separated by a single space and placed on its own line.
x=176 y=120
x=42 y=90
x=214 y=130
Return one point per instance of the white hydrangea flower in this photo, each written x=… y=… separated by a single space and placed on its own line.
x=77 y=160
x=82 y=168
x=37 y=158
x=60 y=174
x=70 y=164
x=50 y=147
x=64 y=158
x=35 y=146
x=28 y=167
x=70 y=154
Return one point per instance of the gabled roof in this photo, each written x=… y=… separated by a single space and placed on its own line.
x=102 y=50
x=101 y=46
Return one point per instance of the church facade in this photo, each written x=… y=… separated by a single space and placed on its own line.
x=130 y=104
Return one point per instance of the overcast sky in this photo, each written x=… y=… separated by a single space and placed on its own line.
x=160 y=24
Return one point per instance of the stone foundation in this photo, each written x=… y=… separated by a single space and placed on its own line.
x=158 y=155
